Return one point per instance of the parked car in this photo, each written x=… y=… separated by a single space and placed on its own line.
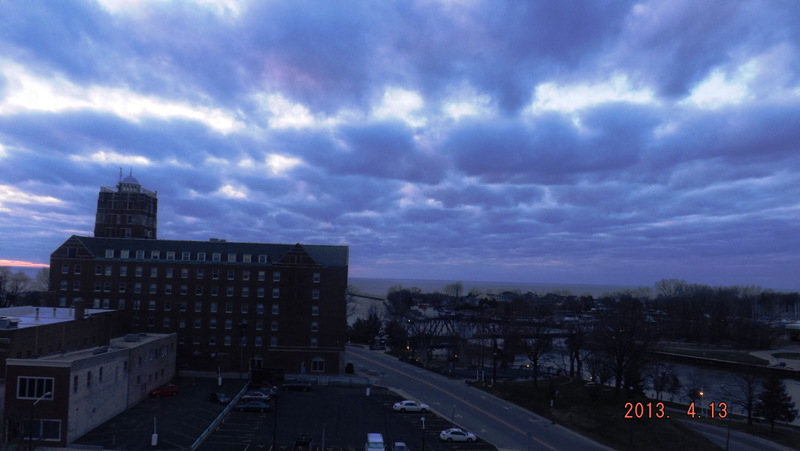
x=252 y=406
x=219 y=397
x=166 y=390
x=297 y=385
x=410 y=406
x=457 y=435
x=256 y=396
x=302 y=442
x=399 y=446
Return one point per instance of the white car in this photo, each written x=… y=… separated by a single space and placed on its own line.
x=410 y=406
x=457 y=435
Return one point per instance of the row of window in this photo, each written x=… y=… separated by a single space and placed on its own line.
x=230 y=257
x=213 y=307
x=108 y=270
x=212 y=324
x=183 y=290
x=227 y=340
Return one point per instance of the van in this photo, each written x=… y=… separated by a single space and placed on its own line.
x=374 y=442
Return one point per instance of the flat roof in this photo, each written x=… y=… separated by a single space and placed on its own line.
x=66 y=358
x=27 y=317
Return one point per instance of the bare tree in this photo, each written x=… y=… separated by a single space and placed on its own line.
x=744 y=392
x=12 y=285
x=454 y=290
x=42 y=281
x=351 y=293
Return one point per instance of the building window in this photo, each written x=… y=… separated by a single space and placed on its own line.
x=151 y=322
x=98 y=270
x=212 y=340
x=153 y=288
x=231 y=274
x=121 y=304
x=166 y=322
x=227 y=340
x=168 y=288
x=316 y=277
x=125 y=253
x=109 y=253
x=140 y=255
x=262 y=276
x=276 y=276
x=260 y=292
x=184 y=273
x=185 y=256
x=171 y=255
x=212 y=307
x=136 y=304
x=198 y=323
x=262 y=258
x=154 y=272
x=167 y=306
x=200 y=274
x=123 y=270
x=77 y=270
x=315 y=293
x=273 y=341
x=317 y=365
x=215 y=274
x=76 y=285
x=214 y=290
x=137 y=288
x=276 y=293
x=34 y=387
x=259 y=324
x=231 y=257
x=182 y=306
x=216 y=256
x=184 y=290
x=107 y=271
x=97 y=286
x=65 y=268
x=198 y=307
x=314 y=326
x=201 y=256
x=274 y=326
x=245 y=292
x=228 y=324
x=212 y=323
x=245 y=308
x=314 y=342
x=151 y=305
x=229 y=291
x=182 y=324
x=138 y=271
x=63 y=285
x=198 y=290
x=259 y=309
x=245 y=275
x=314 y=310
x=196 y=339
x=259 y=341
x=229 y=307
x=246 y=258
x=276 y=309
x=155 y=255
x=169 y=273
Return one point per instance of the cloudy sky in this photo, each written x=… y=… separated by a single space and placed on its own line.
x=603 y=142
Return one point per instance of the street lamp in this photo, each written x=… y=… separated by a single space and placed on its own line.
x=702 y=404
x=30 y=426
x=423 y=433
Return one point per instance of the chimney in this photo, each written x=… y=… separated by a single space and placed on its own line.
x=37 y=314
x=54 y=312
x=80 y=310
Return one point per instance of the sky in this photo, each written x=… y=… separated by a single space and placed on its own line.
x=597 y=142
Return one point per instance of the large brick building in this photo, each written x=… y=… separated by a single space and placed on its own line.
x=126 y=210
x=232 y=304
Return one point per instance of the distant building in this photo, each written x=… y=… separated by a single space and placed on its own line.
x=126 y=211
x=233 y=305
x=52 y=401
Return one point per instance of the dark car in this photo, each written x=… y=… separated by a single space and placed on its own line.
x=252 y=406
x=167 y=390
x=219 y=397
x=297 y=385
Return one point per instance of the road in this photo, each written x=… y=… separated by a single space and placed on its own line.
x=506 y=425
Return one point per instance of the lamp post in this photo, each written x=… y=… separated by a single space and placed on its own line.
x=30 y=426
x=702 y=404
x=423 y=433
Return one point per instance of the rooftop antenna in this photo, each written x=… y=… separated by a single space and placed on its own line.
x=120 y=174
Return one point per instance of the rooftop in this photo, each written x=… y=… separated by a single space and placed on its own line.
x=27 y=316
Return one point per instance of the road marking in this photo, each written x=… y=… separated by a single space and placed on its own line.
x=456 y=397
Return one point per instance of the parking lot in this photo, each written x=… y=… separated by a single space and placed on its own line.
x=342 y=416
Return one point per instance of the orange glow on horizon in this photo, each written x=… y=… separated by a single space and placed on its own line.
x=19 y=263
